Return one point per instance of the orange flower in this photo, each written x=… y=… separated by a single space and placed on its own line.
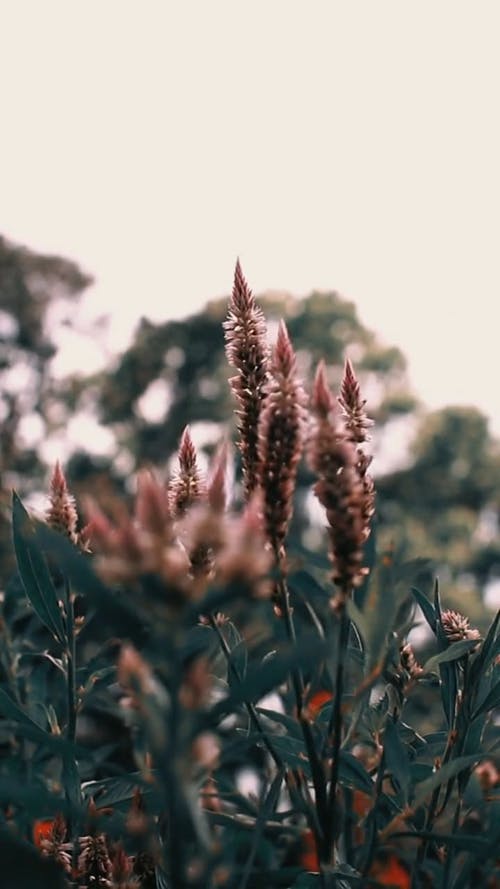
x=387 y=870
x=42 y=830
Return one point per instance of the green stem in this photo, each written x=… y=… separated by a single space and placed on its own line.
x=335 y=725
x=71 y=773
x=449 y=854
x=317 y=770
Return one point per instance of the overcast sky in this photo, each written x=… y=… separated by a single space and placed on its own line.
x=351 y=146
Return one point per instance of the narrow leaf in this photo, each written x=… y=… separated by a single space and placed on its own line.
x=453 y=653
x=34 y=572
x=426 y=607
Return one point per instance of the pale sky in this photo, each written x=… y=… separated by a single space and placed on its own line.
x=338 y=145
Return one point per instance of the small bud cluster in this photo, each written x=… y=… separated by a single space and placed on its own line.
x=457 y=627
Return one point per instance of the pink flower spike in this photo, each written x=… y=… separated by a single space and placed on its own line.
x=281 y=433
x=151 y=504
x=187 y=486
x=353 y=405
x=284 y=359
x=61 y=514
x=247 y=351
x=322 y=400
x=217 y=483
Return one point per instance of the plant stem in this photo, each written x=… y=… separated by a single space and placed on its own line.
x=317 y=770
x=449 y=855
x=71 y=773
x=335 y=725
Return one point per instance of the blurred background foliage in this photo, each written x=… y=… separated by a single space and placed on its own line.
x=437 y=473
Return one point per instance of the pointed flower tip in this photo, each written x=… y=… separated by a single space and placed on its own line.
x=322 y=398
x=284 y=355
x=58 y=479
x=217 y=484
x=242 y=295
x=187 y=450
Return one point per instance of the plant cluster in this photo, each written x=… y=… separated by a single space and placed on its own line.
x=189 y=698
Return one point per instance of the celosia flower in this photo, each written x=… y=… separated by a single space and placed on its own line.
x=456 y=626
x=333 y=458
x=132 y=547
x=151 y=505
x=122 y=869
x=94 y=863
x=61 y=514
x=217 y=493
x=409 y=662
x=281 y=429
x=353 y=406
x=187 y=486
x=247 y=351
x=356 y=423
x=50 y=837
x=244 y=561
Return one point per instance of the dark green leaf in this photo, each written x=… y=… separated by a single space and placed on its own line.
x=482 y=659
x=426 y=607
x=303 y=584
x=396 y=756
x=291 y=725
x=353 y=773
x=238 y=660
x=443 y=775
x=24 y=725
x=127 y=620
x=34 y=572
x=491 y=701
x=453 y=653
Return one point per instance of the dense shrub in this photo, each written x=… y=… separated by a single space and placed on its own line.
x=190 y=699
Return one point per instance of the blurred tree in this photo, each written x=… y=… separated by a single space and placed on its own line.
x=176 y=372
x=446 y=503
x=32 y=287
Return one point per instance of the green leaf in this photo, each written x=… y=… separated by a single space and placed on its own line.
x=271 y=672
x=396 y=756
x=491 y=701
x=34 y=572
x=453 y=653
x=127 y=620
x=481 y=662
x=303 y=584
x=291 y=725
x=443 y=775
x=117 y=791
x=26 y=727
x=353 y=774
x=426 y=607
x=238 y=660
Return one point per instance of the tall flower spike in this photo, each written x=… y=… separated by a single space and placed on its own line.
x=61 y=514
x=357 y=422
x=247 y=351
x=217 y=482
x=151 y=504
x=332 y=457
x=281 y=430
x=353 y=406
x=187 y=486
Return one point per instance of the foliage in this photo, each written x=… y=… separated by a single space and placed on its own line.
x=158 y=660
